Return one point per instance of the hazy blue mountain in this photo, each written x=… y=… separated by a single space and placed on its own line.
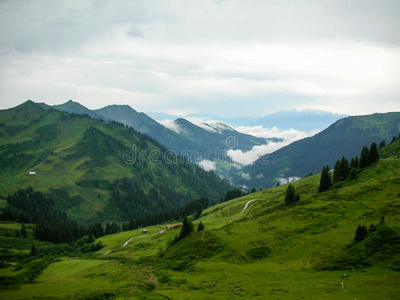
x=303 y=120
x=184 y=137
x=212 y=135
x=144 y=124
x=345 y=137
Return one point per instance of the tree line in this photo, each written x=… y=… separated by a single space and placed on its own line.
x=344 y=169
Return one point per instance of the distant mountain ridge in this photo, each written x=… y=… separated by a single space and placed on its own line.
x=77 y=108
x=345 y=137
x=195 y=142
x=302 y=120
x=215 y=135
x=95 y=170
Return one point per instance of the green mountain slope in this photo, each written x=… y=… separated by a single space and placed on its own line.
x=196 y=143
x=345 y=137
x=95 y=170
x=267 y=251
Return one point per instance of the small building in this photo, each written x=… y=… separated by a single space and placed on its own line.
x=144 y=230
x=32 y=173
x=173 y=225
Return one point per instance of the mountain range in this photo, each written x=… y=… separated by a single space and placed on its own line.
x=213 y=142
x=345 y=137
x=93 y=169
x=302 y=120
x=206 y=141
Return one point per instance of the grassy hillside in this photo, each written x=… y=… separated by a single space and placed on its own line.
x=345 y=137
x=95 y=169
x=269 y=250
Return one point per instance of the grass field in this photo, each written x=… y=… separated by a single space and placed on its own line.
x=268 y=251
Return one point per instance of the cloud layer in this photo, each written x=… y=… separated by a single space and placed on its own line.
x=226 y=58
x=247 y=157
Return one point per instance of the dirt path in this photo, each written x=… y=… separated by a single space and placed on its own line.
x=127 y=242
x=247 y=204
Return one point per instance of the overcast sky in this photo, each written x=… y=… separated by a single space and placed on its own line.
x=226 y=58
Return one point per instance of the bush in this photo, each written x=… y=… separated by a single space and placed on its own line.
x=259 y=252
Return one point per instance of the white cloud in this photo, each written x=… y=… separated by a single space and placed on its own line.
x=248 y=157
x=249 y=58
x=282 y=180
x=288 y=135
x=170 y=124
x=207 y=165
x=245 y=176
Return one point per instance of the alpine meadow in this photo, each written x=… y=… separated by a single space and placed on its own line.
x=168 y=149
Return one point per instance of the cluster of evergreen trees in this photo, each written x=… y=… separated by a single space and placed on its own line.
x=291 y=196
x=29 y=206
x=232 y=194
x=344 y=170
x=58 y=231
x=362 y=231
x=187 y=228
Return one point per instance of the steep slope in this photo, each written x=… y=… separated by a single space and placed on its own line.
x=345 y=137
x=270 y=250
x=144 y=124
x=77 y=108
x=215 y=135
x=95 y=170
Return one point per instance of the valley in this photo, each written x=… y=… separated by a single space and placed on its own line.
x=170 y=150
x=270 y=249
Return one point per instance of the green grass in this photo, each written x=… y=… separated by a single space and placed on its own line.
x=63 y=278
x=268 y=251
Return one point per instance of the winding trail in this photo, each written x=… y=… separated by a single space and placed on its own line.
x=247 y=204
x=127 y=242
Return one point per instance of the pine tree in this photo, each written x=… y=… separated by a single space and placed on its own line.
x=364 y=157
x=356 y=162
x=353 y=173
x=290 y=196
x=325 y=182
x=361 y=233
x=344 y=168
x=200 y=227
x=115 y=228
x=352 y=162
x=187 y=228
x=132 y=224
x=91 y=238
x=108 y=228
x=337 y=172
x=278 y=183
x=373 y=154
x=33 y=250
x=382 y=144
x=199 y=211
x=23 y=231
